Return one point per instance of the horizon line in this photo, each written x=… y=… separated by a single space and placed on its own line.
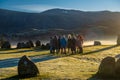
x=27 y=11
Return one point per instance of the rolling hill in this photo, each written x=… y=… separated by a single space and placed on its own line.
x=60 y=19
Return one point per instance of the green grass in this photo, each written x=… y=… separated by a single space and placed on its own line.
x=79 y=66
x=16 y=53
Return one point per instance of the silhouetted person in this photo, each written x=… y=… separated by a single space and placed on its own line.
x=79 y=43
x=63 y=44
x=51 y=45
x=73 y=44
x=69 y=43
x=55 y=44
x=58 y=44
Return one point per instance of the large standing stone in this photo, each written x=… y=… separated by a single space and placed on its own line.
x=38 y=43
x=47 y=46
x=29 y=44
x=43 y=47
x=107 y=67
x=6 y=45
x=26 y=68
x=21 y=45
x=117 y=67
x=96 y=43
x=118 y=40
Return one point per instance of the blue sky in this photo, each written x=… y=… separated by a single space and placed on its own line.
x=42 y=5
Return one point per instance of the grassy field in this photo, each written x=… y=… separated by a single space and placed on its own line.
x=79 y=66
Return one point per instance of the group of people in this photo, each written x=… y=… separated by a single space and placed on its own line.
x=60 y=44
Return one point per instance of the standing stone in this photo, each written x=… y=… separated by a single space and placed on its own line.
x=21 y=45
x=38 y=43
x=6 y=45
x=107 y=67
x=43 y=47
x=26 y=68
x=117 y=67
x=29 y=44
x=47 y=46
x=118 y=40
x=97 y=43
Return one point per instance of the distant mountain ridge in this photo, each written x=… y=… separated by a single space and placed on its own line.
x=18 y=22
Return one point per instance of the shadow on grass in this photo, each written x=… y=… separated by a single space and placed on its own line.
x=14 y=61
x=98 y=77
x=7 y=49
x=99 y=50
x=19 y=51
x=16 y=77
x=94 y=77
x=36 y=49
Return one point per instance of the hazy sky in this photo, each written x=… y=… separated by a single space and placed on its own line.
x=41 y=5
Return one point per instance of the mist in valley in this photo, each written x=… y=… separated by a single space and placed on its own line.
x=88 y=40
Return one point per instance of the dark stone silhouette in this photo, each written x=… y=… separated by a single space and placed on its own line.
x=6 y=45
x=29 y=44
x=21 y=45
x=43 y=46
x=26 y=68
x=18 y=45
x=38 y=43
x=117 y=67
x=118 y=40
x=47 y=46
x=96 y=43
x=107 y=67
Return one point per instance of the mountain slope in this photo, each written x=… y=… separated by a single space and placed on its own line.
x=14 y=22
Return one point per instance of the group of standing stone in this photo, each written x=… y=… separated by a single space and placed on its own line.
x=28 y=44
x=60 y=44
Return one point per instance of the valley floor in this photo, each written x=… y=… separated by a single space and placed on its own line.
x=52 y=67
